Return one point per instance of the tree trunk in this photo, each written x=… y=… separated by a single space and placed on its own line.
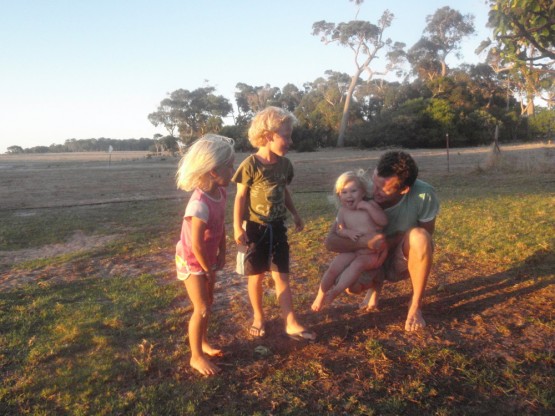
x=345 y=116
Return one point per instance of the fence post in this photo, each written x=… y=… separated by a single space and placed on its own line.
x=447 y=146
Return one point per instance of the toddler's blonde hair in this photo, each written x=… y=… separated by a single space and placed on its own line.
x=351 y=176
x=268 y=120
x=204 y=155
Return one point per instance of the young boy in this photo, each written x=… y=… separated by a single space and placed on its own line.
x=260 y=210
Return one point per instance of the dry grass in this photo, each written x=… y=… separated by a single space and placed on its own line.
x=101 y=329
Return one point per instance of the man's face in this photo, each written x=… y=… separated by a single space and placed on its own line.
x=387 y=191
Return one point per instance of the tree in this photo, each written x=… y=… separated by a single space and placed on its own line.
x=321 y=105
x=365 y=40
x=251 y=100
x=523 y=47
x=445 y=29
x=193 y=113
x=442 y=36
x=12 y=150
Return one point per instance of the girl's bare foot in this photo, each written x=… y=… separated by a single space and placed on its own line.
x=204 y=366
x=211 y=352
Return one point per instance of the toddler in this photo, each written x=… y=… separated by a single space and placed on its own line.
x=356 y=217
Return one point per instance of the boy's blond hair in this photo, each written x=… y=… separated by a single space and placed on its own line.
x=204 y=155
x=268 y=120
x=351 y=176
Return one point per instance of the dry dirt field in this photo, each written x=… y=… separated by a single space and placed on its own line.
x=32 y=181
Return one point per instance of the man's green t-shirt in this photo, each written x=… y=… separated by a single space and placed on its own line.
x=419 y=205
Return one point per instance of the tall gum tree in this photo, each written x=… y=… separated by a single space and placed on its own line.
x=365 y=39
x=442 y=37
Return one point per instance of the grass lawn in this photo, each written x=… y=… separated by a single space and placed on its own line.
x=102 y=330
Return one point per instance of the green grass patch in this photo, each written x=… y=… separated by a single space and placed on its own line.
x=118 y=345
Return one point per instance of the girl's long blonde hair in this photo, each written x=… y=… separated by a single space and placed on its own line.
x=204 y=155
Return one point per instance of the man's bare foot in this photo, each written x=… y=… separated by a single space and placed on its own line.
x=204 y=366
x=415 y=321
x=370 y=302
x=211 y=352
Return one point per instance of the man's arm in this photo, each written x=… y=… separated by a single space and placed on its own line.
x=339 y=244
x=429 y=226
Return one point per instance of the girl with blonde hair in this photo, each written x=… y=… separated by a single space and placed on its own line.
x=206 y=169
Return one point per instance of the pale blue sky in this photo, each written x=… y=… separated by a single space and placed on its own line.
x=96 y=68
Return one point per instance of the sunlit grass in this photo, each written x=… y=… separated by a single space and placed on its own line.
x=118 y=345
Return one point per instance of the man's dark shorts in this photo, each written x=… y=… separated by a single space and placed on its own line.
x=268 y=249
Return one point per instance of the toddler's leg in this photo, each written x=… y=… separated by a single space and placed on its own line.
x=371 y=299
x=338 y=265
x=350 y=275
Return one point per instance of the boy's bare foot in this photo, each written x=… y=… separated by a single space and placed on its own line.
x=257 y=329
x=211 y=352
x=204 y=366
x=319 y=301
x=415 y=321
x=298 y=332
x=370 y=302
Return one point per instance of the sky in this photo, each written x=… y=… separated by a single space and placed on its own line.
x=88 y=69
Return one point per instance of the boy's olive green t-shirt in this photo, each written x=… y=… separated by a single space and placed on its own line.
x=266 y=183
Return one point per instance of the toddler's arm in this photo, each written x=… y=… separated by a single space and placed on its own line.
x=376 y=212
x=343 y=231
x=198 y=245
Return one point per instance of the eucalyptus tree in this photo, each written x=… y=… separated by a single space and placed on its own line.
x=523 y=47
x=251 y=100
x=323 y=99
x=365 y=40
x=192 y=113
x=442 y=36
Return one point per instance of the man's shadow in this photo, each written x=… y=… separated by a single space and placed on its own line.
x=459 y=300
x=479 y=293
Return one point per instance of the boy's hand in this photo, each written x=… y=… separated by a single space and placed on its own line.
x=240 y=236
x=299 y=223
